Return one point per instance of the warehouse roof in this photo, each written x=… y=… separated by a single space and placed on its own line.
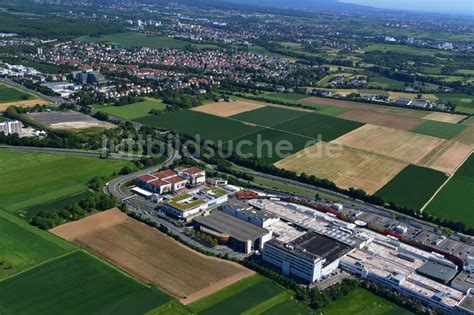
x=236 y=228
x=312 y=246
x=438 y=271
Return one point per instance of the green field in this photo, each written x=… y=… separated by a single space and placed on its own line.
x=333 y=110
x=466 y=72
x=76 y=284
x=385 y=83
x=408 y=50
x=412 y=187
x=34 y=178
x=57 y=204
x=363 y=302
x=8 y=94
x=253 y=295
x=319 y=126
x=193 y=123
x=268 y=116
x=23 y=246
x=285 y=96
x=454 y=202
x=133 y=111
x=135 y=39
x=270 y=145
x=464 y=103
x=439 y=129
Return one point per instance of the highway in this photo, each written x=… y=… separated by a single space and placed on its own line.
x=72 y=152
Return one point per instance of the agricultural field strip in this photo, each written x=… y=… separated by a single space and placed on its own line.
x=272 y=128
x=444 y=184
x=40 y=264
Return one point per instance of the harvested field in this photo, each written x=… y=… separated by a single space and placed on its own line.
x=397 y=144
x=448 y=156
x=224 y=109
x=382 y=119
x=344 y=166
x=445 y=117
x=467 y=136
x=27 y=103
x=152 y=256
x=469 y=121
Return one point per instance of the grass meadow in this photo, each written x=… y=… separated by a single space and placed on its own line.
x=133 y=111
x=439 y=129
x=412 y=187
x=454 y=202
x=8 y=94
x=30 y=179
x=76 y=284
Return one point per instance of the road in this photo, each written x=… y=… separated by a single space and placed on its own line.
x=72 y=152
x=53 y=99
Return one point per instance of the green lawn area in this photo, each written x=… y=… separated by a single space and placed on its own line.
x=325 y=81
x=208 y=127
x=385 y=83
x=467 y=72
x=412 y=187
x=76 y=284
x=34 y=178
x=23 y=246
x=363 y=302
x=289 y=306
x=253 y=295
x=9 y=94
x=464 y=103
x=133 y=111
x=454 y=202
x=268 y=116
x=285 y=96
x=57 y=204
x=439 y=129
x=136 y=39
x=319 y=126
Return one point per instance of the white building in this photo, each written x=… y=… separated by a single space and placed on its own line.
x=247 y=213
x=184 y=206
x=309 y=257
x=11 y=127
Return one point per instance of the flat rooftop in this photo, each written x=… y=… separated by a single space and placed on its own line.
x=437 y=271
x=468 y=302
x=227 y=224
x=464 y=281
x=312 y=246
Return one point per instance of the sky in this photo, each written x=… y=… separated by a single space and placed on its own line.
x=465 y=7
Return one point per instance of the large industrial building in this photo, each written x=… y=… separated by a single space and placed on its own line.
x=237 y=234
x=248 y=213
x=309 y=257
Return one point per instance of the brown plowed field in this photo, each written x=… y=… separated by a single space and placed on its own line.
x=346 y=167
x=152 y=256
x=382 y=119
x=402 y=145
x=224 y=109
